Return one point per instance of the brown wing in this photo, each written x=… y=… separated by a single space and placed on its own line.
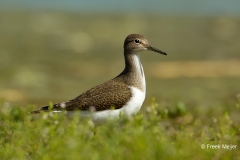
x=104 y=96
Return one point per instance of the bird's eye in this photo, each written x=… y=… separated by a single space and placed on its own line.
x=137 y=41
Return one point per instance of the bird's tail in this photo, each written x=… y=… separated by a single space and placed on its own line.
x=35 y=112
x=43 y=109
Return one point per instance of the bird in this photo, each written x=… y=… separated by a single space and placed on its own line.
x=120 y=96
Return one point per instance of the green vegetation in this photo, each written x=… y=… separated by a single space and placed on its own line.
x=52 y=57
x=154 y=133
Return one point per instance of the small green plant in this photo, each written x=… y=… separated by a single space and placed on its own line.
x=148 y=135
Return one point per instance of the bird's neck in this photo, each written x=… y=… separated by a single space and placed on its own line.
x=133 y=73
x=133 y=64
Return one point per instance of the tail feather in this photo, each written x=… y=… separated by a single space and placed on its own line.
x=43 y=109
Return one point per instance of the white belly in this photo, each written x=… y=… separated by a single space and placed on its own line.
x=129 y=109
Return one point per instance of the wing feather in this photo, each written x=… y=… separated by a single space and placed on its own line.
x=102 y=97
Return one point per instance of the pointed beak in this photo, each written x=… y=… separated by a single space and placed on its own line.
x=150 y=48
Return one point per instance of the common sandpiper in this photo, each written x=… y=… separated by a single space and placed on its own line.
x=122 y=95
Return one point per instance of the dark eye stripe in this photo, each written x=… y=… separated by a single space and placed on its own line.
x=126 y=42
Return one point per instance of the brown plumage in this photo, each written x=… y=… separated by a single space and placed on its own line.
x=115 y=92
x=104 y=96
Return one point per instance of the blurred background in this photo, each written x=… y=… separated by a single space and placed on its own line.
x=51 y=51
